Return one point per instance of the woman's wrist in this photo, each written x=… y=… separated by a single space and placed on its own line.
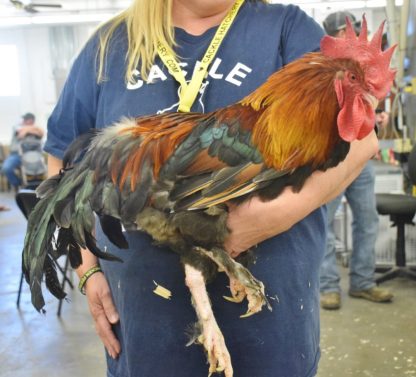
x=269 y=218
x=88 y=260
x=86 y=276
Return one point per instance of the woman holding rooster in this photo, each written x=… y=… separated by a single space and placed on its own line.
x=142 y=333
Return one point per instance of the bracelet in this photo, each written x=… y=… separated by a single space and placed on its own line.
x=91 y=271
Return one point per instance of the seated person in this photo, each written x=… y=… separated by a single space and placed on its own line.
x=13 y=161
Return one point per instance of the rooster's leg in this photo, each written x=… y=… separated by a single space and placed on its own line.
x=211 y=336
x=242 y=282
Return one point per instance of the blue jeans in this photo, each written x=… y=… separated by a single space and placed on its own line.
x=361 y=198
x=10 y=164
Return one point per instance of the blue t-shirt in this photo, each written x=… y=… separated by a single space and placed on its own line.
x=281 y=343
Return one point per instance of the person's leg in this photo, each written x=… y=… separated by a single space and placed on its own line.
x=329 y=277
x=361 y=198
x=10 y=164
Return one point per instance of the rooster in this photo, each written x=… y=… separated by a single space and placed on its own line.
x=171 y=175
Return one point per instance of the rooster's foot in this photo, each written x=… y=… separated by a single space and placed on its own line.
x=253 y=291
x=213 y=341
x=242 y=283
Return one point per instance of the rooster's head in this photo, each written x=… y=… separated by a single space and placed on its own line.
x=365 y=78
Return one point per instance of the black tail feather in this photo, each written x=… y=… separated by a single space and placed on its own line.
x=113 y=230
x=51 y=278
x=74 y=255
x=92 y=246
x=66 y=244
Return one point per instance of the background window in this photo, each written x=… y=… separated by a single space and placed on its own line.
x=9 y=71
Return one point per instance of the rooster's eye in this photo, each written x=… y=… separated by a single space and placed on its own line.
x=352 y=77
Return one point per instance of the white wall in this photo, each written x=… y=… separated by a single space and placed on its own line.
x=38 y=89
x=36 y=82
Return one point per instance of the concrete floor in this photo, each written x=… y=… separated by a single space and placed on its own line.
x=361 y=339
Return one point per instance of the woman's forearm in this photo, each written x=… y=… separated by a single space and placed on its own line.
x=322 y=187
x=88 y=259
x=256 y=221
x=54 y=165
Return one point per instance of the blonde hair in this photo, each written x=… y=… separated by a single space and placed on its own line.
x=147 y=22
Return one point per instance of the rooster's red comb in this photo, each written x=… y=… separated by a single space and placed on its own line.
x=372 y=59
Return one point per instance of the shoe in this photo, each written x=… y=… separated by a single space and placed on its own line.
x=330 y=300
x=374 y=294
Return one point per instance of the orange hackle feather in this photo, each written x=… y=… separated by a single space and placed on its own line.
x=304 y=118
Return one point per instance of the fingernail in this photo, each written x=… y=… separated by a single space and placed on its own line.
x=113 y=318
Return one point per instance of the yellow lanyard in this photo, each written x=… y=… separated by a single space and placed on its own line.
x=189 y=91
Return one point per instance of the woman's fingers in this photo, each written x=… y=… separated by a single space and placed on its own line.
x=109 y=307
x=103 y=312
x=105 y=332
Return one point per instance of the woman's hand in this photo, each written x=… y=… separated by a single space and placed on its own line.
x=103 y=311
x=247 y=226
